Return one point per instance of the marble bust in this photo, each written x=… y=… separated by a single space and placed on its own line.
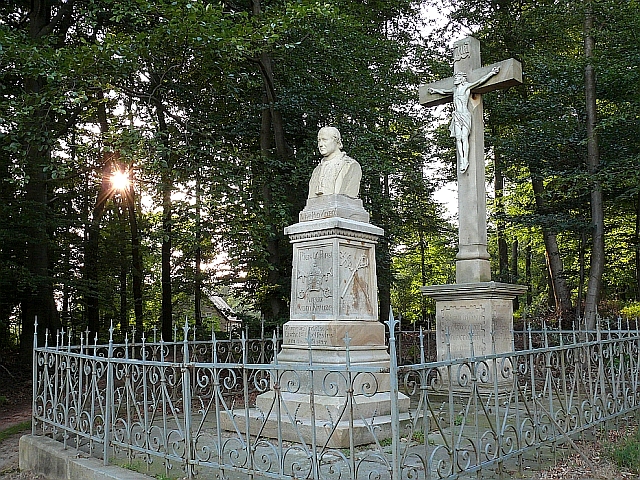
x=337 y=173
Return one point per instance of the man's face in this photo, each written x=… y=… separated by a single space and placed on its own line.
x=458 y=78
x=327 y=144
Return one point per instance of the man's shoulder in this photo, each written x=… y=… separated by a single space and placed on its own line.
x=348 y=160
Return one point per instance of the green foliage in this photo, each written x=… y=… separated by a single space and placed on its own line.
x=626 y=453
x=175 y=93
x=632 y=310
x=15 y=429
x=386 y=442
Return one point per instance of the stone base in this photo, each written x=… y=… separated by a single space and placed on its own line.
x=328 y=206
x=460 y=395
x=50 y=458
x=371 y=416
x=334 y=270
x=323 y=343
x=330 y=408
x=474 y=319
x=473 y=269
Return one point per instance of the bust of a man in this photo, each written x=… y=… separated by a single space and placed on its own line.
x=337 y=173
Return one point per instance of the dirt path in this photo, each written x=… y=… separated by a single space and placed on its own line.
x=15 y=410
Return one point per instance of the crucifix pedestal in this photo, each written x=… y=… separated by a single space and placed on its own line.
x=474 y=316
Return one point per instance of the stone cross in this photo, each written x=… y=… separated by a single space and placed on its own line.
x=472 y=264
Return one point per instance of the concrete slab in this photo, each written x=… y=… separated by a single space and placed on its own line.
x=45 y=456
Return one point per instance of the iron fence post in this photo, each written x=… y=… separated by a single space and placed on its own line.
x=186 y=398
x=108 y=401
x=312 y=410
x=393 y=387
x=34 y=378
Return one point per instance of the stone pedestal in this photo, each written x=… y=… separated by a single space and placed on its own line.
x=474 y=319
x=334 y=301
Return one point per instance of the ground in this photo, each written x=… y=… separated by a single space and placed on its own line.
x=574 y=467
x=15 y=412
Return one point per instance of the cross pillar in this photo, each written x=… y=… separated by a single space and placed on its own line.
x=473 y=261
x=475 y=307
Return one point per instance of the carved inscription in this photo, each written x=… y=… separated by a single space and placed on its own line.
x=314 y=286
x=461 y=50
x=462 y=321
x=317 y=214
x=465 y=323
x=301 y=335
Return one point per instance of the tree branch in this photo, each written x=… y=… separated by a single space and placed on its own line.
x=65 y=10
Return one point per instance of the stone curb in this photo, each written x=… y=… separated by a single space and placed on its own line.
x=45 y=456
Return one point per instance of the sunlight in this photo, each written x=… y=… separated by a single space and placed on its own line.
x=120 y=180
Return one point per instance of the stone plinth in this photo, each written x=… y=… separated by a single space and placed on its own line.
x=329 y=206
x=334 y=303
x=481 y=308
x=334 y=270
x=474 y=319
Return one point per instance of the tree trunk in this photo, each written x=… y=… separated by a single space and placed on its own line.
x=197 y=290
x=423 y=275
x=527 y=274
x=384 y=260
x=124 y=269
x=637 y=247
x=581 y=261
x=37 y=300
x=136 y=261
x=503 y=256
x=274 y=305
x=166 y=318
x=560 y=290
x=596 y=267
x=92 y=244
x=514 y=271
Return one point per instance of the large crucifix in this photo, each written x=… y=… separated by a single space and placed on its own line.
x=465 y=89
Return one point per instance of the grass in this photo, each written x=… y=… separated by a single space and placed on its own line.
x=386 y=442
x=626 y=453
x=21 y=427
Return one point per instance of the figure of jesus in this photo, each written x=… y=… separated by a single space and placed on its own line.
x=460 y=127
x=337 y=173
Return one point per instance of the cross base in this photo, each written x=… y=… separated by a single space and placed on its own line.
x=473 y=270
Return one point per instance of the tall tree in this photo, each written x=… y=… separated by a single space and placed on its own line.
x=593 y=167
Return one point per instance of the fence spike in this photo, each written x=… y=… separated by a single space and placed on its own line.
x=35 y=332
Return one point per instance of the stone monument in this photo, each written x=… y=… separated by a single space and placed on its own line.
x=334 y=298
x=475 y=303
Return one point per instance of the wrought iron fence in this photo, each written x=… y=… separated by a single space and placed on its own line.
x=189 y=408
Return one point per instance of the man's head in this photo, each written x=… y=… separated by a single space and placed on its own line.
x=459 y=77
x=329 y=141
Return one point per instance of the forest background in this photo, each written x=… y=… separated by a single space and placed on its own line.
x=211 y=110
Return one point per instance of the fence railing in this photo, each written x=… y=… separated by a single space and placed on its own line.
x=189 y=408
